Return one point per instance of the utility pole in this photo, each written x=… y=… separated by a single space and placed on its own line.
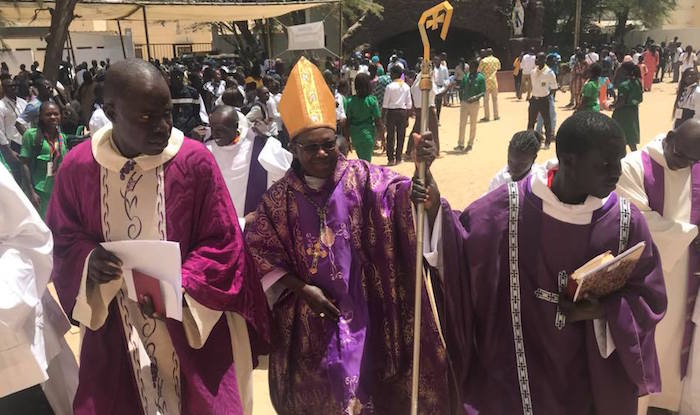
x=577 y=24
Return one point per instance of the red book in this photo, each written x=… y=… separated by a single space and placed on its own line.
x=146 y=285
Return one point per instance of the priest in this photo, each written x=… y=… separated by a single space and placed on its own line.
x=37 y=368
x=334 y=245
x=663 y=181
x=517 y=343
x=250 y=162
x=141 y=179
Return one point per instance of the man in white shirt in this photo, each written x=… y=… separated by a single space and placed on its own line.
x=433 y=122
x=38 y=370
x=687 y=60
x=543 y=83
x=441 y=78
x=592 y=57
x=397 y=103
x=259 y=117
x=662 y=181
x=527 y=66
x=678 y=51
x=249 y=163
x=11 y=106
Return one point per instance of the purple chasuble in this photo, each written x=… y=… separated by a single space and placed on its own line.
x=561 y=366
x=654 y=188
x=200 y=216
x=257 y=177
x=363 y=259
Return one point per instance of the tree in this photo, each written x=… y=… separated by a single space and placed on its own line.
x=61 y=18
x=651 y=13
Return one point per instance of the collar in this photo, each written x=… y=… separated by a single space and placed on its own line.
x=106 y=154
x=655 y=149
x=575 y=214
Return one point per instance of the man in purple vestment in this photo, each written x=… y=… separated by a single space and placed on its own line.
x=334 y=244
x=143 y=180
x=516 y=342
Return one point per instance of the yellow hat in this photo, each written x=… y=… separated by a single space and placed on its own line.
x=306 y=102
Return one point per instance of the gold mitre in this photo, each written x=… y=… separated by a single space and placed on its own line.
x=306 y=102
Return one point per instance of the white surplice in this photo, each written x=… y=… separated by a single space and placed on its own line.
x=672 y=234
x=144 y=187
x=32 y=348
x=234 y=161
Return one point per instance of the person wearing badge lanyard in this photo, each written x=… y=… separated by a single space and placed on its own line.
x=42 y=151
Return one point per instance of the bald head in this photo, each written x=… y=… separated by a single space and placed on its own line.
x=682 y=145
x=224 y=125
x=137 y=101
x=131 y=75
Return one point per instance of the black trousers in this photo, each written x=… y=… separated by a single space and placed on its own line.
x=518 y=84
x=27 y=401
x=438 y=103
x=396 y=124
x=540 y=106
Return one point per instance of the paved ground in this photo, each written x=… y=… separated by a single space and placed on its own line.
x=464 y=177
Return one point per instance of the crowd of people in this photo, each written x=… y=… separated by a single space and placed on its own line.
x=289 y=248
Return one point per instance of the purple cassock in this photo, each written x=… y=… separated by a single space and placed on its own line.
x=364 y=261
x=509 y=343
x=654 y=188
x=215 y=272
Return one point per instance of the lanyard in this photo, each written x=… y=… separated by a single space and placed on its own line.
x=55 y=147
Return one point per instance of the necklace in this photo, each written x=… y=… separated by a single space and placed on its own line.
x=326 y=236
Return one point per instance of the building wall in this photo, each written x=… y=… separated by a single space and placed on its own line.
x=683 y=22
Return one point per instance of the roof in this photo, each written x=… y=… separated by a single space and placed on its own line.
x=36 y=13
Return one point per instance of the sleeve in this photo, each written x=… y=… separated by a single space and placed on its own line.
x=385 y=101
x=72 y=243
x=407 y=97
x=340 y=112
x=4 y=140
x=553 y=81
x=25 y=256
x=482 y=84
x=498 y=64
x=633 y=313
x=672 y=237
x=28 y=139
x=203 y=115
x=254 y=114
x=376 y=111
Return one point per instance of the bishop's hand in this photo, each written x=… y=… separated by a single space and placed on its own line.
x=103 y=266
x=319 y=303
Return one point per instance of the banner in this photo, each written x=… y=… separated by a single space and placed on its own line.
x=306 y=36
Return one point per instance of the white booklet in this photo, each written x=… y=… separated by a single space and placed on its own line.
x=158 y=259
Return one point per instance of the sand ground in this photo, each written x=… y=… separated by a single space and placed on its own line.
x=463 y=178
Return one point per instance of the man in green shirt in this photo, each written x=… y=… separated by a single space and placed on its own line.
x=472 y=87
x=591 y=90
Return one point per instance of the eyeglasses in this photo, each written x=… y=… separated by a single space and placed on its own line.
x=328 y=146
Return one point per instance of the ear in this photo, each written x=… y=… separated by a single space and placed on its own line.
x=568 y=160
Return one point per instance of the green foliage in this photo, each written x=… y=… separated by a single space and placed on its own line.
x=652 y=13
x=354 y=9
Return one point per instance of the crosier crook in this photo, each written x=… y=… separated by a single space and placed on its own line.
x=430 y=19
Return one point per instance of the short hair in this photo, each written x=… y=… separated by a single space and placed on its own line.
x=233 y=97
x=595 y=71
x=527 y=142
x=396 y=71
x=362 y=88
x=584 y=131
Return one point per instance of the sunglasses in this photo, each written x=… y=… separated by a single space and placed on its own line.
x=328 y=146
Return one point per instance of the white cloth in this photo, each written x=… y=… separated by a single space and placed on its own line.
x=261 y=120
x=696 y=102
x=234 y=161
x=503 y=177
x=397 y=95
x=32 y=325
x=687 y=61
x=98 y=120
x=9 y=112
x=216 y=89
x=672 y=234
x=416 y=94
x=339 y=107
x=528 y=64
x=635 y=58
x=543 y=82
